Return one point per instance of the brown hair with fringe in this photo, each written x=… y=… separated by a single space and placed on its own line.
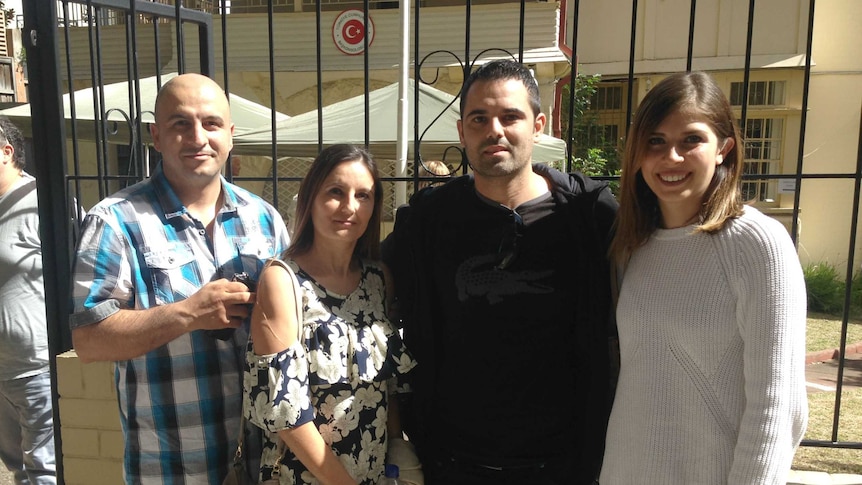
x=368 y=245
x=694 y=93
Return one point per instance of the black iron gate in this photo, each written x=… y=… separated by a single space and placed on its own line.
x=63 y=36
x=47 y=25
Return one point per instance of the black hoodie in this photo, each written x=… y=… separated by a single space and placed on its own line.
x=513 y=357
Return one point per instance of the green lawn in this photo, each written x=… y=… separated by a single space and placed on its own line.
x=820 y=410
x=824 y=332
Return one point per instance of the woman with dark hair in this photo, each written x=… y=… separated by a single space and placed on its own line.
x=711 y=311
x=328 y=394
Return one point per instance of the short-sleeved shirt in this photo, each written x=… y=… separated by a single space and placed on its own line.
x=180 y=404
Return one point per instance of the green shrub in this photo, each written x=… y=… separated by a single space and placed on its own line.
x=825 y=288
x=856 y=294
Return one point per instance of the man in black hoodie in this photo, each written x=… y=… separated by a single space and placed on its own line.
x=504 y=293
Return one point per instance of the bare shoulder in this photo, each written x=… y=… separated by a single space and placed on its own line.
x=274 y=281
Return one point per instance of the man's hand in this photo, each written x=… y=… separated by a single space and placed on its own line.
x=127 y=334
x=217 y=305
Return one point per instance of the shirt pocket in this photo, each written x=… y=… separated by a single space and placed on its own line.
x=253 y=251
x=174 y=273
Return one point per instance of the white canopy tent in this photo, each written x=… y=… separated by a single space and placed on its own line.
x=344 y=122
x=120 y=114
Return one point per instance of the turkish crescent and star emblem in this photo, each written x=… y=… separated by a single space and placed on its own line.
x=348 y=32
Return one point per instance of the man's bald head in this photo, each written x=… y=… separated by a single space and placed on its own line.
x=189 y=82
x=193 y=132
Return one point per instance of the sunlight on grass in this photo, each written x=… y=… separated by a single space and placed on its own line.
x=824 y=332
x=821 y=406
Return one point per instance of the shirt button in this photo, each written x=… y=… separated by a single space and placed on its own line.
x=171 y=260
x=202 y=232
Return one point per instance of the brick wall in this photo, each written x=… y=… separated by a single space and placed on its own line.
x=90 y=422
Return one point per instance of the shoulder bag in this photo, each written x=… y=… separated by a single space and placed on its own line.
x=238 y=474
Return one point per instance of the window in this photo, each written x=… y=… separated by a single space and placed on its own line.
x=607 y=98
x=7 y=80
x=764 y=137
x=602 y=135
x=763 y=141
x=760 y=93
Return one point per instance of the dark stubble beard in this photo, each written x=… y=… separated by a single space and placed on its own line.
x=511 y=165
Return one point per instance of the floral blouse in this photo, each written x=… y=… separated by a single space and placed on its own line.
x=340 y=376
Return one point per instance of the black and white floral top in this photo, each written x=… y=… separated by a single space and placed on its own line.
x=339 y=376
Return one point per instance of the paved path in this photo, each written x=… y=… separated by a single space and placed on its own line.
x=823 y=376
x=5 y=476
x=821 y=478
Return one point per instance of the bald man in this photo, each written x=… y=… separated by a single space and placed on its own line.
x=153 y=291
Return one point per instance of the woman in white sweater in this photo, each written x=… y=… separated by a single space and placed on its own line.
x=711 y=310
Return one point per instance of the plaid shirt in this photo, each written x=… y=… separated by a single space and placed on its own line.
x=180 y=404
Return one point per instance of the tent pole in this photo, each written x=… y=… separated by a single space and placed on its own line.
x=402 y=137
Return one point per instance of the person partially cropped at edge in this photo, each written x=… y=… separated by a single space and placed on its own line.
x=711 y=312
x=26 y=409
x=152 y=291
x=503 y=284
x=328 y=394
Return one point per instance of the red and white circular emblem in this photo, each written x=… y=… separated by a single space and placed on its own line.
x=348 y=32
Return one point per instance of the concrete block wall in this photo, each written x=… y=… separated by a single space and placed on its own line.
x=90 y=422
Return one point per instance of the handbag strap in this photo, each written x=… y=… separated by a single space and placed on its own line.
x=297 y=295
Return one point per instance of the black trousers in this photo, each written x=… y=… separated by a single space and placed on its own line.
x=454 y=471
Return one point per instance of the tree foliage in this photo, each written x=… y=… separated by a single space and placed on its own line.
x=592 y=153
x=10 y=12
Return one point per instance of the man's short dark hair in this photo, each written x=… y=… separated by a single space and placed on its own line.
x=501 y=70
x=12 y=135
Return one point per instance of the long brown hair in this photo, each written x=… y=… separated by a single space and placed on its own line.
x=638 y=215
x=368 y=245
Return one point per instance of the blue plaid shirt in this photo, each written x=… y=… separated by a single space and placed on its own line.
x=180 y=404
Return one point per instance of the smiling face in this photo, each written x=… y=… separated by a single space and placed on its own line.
x=344 y=204
x=498 y=128
x=678 y=165
x=192 y=130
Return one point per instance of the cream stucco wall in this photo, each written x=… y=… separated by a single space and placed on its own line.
x=831 y=146
x=832 y=134
x=661 y=34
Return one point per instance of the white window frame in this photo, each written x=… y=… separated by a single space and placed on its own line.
x=763 y=154
x=764 y=136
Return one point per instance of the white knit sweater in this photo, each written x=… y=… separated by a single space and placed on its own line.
x=712 y=335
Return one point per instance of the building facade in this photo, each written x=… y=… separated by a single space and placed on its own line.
x=287 y=62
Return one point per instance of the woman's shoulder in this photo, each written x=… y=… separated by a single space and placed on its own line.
x=276 y=262
x=280 y=268
x=275 y=270
x=755 y=224
x=755 y=233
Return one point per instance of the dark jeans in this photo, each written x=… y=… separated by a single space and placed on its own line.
x=452 y=471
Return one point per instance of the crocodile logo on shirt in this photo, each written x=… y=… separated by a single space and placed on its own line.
x=478 y=277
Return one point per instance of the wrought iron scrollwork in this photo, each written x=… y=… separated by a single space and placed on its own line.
x=463 y=163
